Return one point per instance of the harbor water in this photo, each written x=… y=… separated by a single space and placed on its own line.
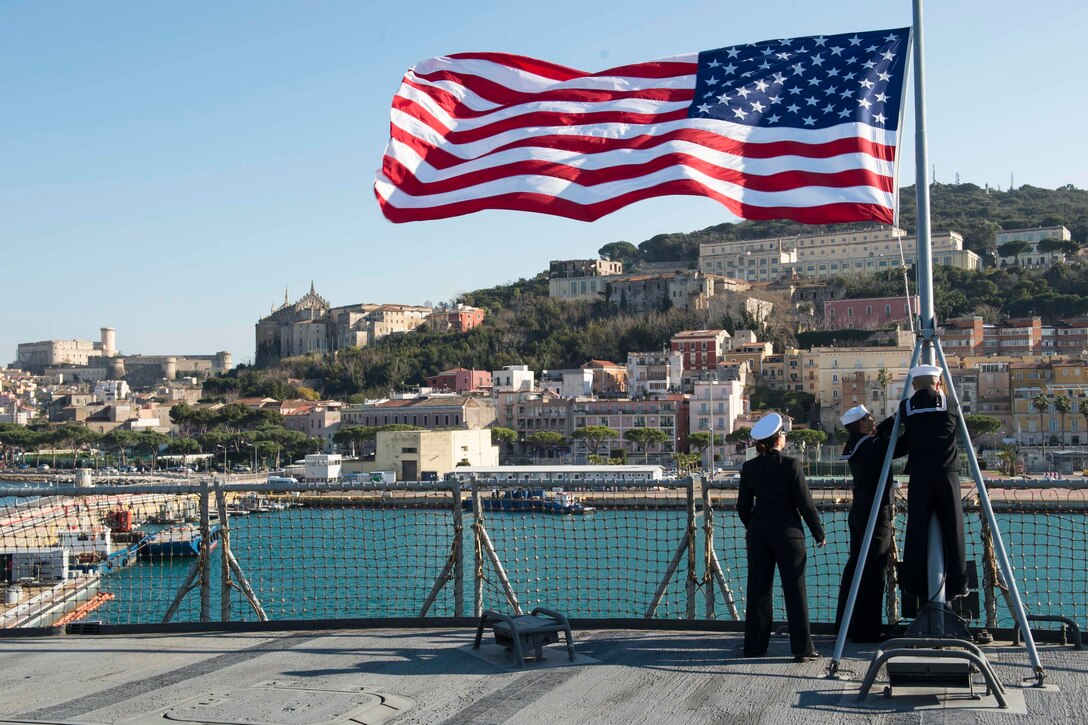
x=337 y=563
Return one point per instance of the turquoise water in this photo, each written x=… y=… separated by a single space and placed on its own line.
x=334 y=563
x=343 y=563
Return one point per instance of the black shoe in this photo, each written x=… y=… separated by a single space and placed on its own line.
x=746 y=653
x=807 y=657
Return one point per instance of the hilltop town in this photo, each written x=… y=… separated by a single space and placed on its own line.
x=577 y=362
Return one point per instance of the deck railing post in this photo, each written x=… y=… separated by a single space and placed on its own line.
x=458 y=552
x=224 y=543
x=477 y=550
x=708 y=550
x=205 y=553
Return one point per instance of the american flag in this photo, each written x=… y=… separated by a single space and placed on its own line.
x=798 y=128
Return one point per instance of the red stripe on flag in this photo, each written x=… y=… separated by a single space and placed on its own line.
x=545 y=204
x=505 y=97
x=535 y=118
x=406 y=181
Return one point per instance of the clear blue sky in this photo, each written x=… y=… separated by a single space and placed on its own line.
x=169 y=168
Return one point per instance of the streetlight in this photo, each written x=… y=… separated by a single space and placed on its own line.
x=254 y=447
x=711 y=391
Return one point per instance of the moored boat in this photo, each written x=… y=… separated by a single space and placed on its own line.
x=532 y=500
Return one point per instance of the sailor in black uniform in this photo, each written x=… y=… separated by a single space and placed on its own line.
x=772 y=500
x=933 y=463
x=864 y=451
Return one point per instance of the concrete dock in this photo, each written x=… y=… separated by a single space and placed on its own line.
x=433 y=676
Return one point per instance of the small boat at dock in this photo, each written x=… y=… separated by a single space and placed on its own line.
x=175 y=542
x=532 y=500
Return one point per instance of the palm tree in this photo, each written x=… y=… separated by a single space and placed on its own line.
x=884 y=377
x=1040 y=402
x=1083 y=410
x=1064 y=406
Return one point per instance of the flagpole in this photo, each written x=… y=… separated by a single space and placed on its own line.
x=927 y=318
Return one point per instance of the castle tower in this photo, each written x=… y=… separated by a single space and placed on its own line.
x=109 y=341
x=170 y=368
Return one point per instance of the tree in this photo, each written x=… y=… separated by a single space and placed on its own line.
x=16 y=439
x=1014 y=249
x=686 y=461
x=1040 y=402
x=545 y=440
x=121 y=440
x=151 y=442
x=701 y=441
x=353 y=436
x=805 y=437
x=620 y=252
x=884 y=377
x=1062 y=246
x=740 y=436
x=980 y=425
x=594 y=436
x=1009 y=460
x=503 y=436
x=644 y=438
x=1064 y=405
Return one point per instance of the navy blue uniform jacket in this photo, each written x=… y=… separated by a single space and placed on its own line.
x=774 y=497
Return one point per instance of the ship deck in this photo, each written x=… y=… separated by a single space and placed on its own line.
x=433 y=676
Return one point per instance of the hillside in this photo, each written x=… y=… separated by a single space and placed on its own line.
x=976 y=213
x=524 y=326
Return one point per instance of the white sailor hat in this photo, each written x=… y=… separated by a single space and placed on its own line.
x=767 y=427
x=922 y=370
x=854 y=415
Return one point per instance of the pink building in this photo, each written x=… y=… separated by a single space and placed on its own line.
x=461 y=318
x=869 y=312
x=460 y=381
x=315 y=420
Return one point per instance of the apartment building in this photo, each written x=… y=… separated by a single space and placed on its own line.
x=822 y=256
x=460 y=381
x=715 y=406
x=513 y=378
x=700 y=349
x=431 y=412
x=460 y=318
x=584 y=280
x=667 y=412
x=869 y=312
x=1033 y=235
x=1052 y=378
x=824 y=368
x=654 y=372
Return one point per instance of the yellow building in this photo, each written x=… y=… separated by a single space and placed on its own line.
x=413 y=453
x=1052 y=379
x=824 y=369
x=823 y=256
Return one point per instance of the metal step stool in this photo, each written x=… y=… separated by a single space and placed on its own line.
x=528 y=631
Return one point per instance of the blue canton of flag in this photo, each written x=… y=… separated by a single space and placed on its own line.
x=806 y=83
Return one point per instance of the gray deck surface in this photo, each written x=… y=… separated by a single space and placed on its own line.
x=430 y=676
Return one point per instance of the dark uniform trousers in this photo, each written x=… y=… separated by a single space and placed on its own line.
x=866 y=454
x=867 y=621
x=933 y=463
x=772 y=500
x=789 y=555
x=934 y=492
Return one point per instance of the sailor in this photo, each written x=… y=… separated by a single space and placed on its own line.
x=865 y=451
x=933 y=464
x=772 y=500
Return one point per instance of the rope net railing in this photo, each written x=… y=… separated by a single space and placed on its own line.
x=145 y=554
